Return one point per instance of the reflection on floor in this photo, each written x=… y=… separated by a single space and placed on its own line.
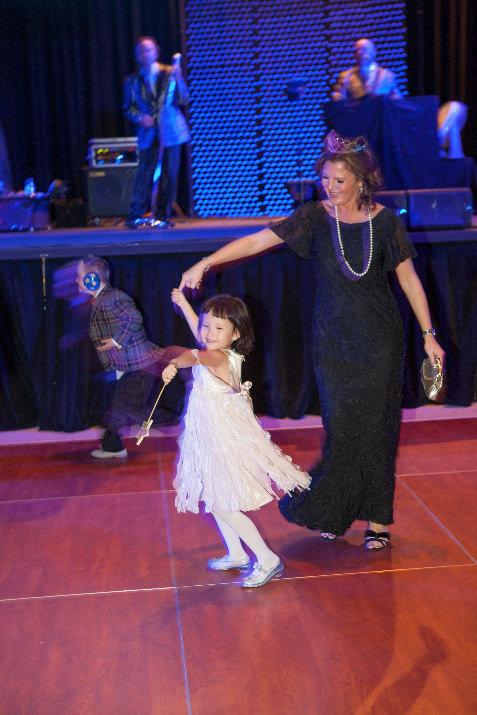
x=106 y=605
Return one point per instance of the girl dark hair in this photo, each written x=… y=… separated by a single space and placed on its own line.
x=359 y=159
x=235 y=310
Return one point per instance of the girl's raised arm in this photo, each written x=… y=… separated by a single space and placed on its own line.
x=188 y=311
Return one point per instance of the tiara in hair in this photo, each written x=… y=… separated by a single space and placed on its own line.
x=337 y=145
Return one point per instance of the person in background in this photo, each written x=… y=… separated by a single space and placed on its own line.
x=368 y=78
x=117 y=332
x=153 y=100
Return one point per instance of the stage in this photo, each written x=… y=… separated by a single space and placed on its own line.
x=112 y=238
x=48 y=380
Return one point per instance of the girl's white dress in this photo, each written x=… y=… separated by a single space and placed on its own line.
x=226 y=459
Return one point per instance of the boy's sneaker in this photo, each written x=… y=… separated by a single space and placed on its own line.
x=103 y=454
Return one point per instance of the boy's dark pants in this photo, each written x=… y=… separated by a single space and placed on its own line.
x=128 y=406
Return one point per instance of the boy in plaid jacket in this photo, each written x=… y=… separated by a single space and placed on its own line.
x=117 y=332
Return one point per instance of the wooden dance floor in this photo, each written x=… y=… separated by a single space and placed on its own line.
x=107 y=607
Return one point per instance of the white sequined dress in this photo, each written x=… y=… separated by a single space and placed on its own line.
x=226 y=459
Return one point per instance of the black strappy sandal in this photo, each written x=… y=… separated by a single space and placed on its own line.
x=382 y=537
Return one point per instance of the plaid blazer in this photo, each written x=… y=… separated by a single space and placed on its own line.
x=114 y=315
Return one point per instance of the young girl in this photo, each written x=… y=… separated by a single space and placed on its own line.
x=226 y=458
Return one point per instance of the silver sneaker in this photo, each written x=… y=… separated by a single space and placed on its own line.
x=260 y=576
x=226 y=563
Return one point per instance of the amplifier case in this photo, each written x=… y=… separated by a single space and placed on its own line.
x=109 y=191
x=113 y=152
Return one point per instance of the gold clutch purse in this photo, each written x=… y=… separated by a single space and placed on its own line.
x=433 y=378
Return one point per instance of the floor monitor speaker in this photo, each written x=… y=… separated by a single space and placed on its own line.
x=434 y=209
x=395 y=200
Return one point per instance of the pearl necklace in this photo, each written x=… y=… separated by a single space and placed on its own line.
x=342 y=262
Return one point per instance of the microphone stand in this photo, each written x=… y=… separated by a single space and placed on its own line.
x=294 y=91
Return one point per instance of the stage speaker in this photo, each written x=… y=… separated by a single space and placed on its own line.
x=395 y=200
x=433 y=209
x=109 y=190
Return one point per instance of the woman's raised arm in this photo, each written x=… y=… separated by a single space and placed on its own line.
x=245 y=247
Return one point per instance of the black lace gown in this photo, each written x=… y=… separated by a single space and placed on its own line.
x=358 y=354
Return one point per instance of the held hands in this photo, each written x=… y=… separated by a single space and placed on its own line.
x=178 y=297
x=169 y=373
x=192 y=278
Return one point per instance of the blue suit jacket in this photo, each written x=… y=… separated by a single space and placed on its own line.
x=171 y=126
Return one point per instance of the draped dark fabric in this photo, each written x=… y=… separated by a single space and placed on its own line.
x=62 y=68
x=402 y=132
x=441 y=56
x=21 y=336
x=50 y=375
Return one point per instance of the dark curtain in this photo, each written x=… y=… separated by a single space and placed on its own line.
x=21 y=336
x=61 y=71
x=402 y=132
x=49 y=374
x=442 y=58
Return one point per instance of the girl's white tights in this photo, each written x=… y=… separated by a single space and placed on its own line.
x=236 y=527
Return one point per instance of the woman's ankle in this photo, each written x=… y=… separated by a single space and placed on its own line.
x=378 y=528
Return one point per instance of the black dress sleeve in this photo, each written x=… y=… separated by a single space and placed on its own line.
x=297 y=229
x=399 y=246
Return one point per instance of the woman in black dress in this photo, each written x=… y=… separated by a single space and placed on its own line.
x=358 y=339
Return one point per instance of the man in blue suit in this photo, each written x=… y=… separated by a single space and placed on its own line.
x=153 y=100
